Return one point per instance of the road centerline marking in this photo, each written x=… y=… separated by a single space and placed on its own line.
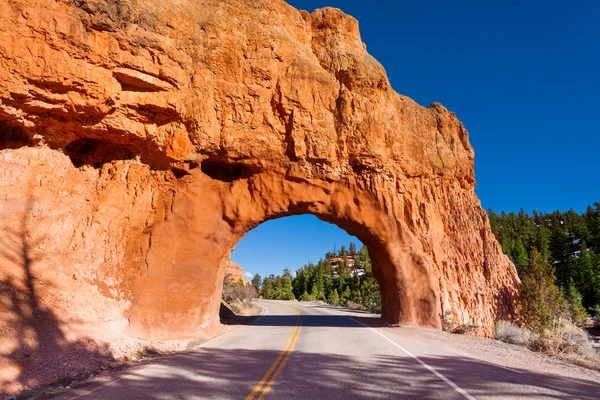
x=281 y=365
x=269 y=378
x=267 y=374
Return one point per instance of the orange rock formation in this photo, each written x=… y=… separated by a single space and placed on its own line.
x=142 y=139
x=234 y=273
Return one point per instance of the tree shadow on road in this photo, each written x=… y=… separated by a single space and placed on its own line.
x=232 y=373
x=34 y=348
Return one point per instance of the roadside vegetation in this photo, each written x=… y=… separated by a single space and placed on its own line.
x=557 y=256
x=239 y=295
x=344 y=277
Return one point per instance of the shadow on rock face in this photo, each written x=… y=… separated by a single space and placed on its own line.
x=12 y=137
x=35 y=349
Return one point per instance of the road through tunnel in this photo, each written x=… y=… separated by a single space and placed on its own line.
x=301 y=258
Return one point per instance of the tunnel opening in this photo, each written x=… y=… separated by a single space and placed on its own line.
x=13 y=136
x=299 y=258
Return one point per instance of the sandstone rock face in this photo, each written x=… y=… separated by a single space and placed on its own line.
x=234 y=273
x=140 y=140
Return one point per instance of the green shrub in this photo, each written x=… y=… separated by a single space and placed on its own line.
x=306 y=297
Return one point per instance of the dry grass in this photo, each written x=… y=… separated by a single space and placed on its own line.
x=245 y=308
x=355 y=306
x=565 y=341
x=239 y=294
x=508 y=332
x=239 y=297
x=569 y=342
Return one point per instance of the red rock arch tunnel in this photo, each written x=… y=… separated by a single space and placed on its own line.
x=211 y=214
x=217 y=204
x=151 y=136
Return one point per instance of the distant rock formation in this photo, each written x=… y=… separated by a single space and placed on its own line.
x=140 y=140
x=234 y=273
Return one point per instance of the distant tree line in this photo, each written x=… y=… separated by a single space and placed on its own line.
x=557 y=256
x=337 y=285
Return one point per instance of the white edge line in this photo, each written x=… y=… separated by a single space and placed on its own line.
x=430 y=368
x=110 y=383
x=262 y=315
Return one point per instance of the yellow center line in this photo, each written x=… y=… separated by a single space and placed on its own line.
x=278 y=364
x=273 y=366
x=281 y=366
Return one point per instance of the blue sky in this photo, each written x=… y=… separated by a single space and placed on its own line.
x=288 y=242
x=523 y=76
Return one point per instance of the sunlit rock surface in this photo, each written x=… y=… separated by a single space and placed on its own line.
x=234 y=273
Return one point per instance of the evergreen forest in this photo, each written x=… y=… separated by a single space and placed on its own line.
x=565 y=245
x=348 y=282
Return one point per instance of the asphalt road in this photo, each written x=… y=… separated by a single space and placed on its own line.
x=311 y=351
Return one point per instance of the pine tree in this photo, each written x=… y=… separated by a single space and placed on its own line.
x=369 y=293
x=343 y=251
x=592 y=221
x=306 y=297
x=318 y=289
x=317 y=282
x=352 y=249
x=364 y=259
x=561 y=253
x=542 y=302
x=346 y=294
x=595 y=304
x=541 y=241
x=298 y=284
x=256 y=282
x=334 y=298
x=584 y=275
x=519 y=257
x=569 y=241
x=578 y=313
x=268 y=287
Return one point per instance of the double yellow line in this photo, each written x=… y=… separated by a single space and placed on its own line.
x=269 y=378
